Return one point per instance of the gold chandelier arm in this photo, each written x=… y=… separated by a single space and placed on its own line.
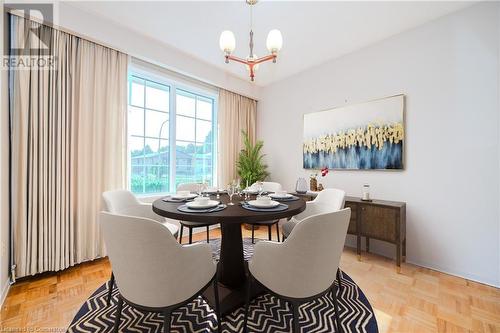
x=256 y=61
x=265 y=58
x=237 y=59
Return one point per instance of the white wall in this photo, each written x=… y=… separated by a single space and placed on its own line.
x=148 y=49
x=4 y=203
x=498 y=11
x=449 y=71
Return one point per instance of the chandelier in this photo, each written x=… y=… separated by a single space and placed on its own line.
x=274 y=42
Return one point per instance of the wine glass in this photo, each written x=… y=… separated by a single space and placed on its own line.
x=260 y=188
x=231 y=191
x=201 y=187
x=237 y=186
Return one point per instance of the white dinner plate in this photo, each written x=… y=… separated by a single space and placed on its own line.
x=281 y=196
x=198 y=205
x=183 y=197
x=260 y=204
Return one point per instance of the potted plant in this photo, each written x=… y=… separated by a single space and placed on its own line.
x=250 y=165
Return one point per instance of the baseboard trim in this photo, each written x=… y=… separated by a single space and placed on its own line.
x=5 y=291
x=462 y=275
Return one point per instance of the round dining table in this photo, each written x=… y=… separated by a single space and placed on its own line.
x=231 y=269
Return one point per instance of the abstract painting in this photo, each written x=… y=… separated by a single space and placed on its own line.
x=361 y=136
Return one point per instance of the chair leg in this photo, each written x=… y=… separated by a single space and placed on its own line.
x=217 y=306
x=295 y=320
x=110 y=288
x=118 y=314
x=336 y=307
x=339 y=280
x=253 y=233
x=283 y=237
x=269 y=233
x=180 y=234
x=208 y=235
x=190 y=235
x=247 y=303
x=166 y=322
x=278 y=231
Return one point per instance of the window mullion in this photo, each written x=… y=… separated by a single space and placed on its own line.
x=172 y=136
x=144 y=168
x=214 y=148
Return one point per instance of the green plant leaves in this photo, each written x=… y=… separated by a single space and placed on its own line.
x=250 y=165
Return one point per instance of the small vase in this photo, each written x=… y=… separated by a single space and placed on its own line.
x=301 y=186
x=313 y=184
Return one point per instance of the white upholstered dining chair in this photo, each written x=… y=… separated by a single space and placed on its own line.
x=267 y=187
x=124 y=202
x=305 y=266
x=328 y=200
x=193 y=188
x=153 y=271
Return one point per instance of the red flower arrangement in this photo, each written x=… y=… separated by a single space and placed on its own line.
x=324 y=171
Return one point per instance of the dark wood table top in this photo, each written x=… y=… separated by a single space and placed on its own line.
x=232 y=214
x=375 y=202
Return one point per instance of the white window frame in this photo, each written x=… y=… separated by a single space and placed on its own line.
x=158 y=75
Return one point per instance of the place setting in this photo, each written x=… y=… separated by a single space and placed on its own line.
x=283 y=196
x=180 y=196
x=264 y=203
x=202 y=205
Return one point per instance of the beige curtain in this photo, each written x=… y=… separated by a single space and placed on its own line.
x=68 y=142
x=236 y=113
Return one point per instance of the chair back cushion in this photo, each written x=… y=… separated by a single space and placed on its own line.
x=306 y=263
x=327 y=201
x=331 y=197
x=269 y=186
x=149 y=265
x=119 y=200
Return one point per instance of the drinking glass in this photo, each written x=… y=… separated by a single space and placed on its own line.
x=230 y=191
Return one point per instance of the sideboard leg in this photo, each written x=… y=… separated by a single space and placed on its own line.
x=358 y=247
x=404 y=250
x=398 y=257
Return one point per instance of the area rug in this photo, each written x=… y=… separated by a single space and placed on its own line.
x=267 y=313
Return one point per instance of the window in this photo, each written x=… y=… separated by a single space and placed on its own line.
x=171 y=135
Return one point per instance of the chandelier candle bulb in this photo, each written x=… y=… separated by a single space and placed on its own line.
x=274 y=41
x=227 y=42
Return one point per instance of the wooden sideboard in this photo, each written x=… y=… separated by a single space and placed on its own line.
x=377 y=219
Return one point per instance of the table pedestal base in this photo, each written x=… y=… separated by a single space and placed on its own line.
x=231 y=299
x=232 y=271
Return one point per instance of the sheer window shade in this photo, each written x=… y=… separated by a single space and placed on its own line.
x=236 y=113
x=68 y=132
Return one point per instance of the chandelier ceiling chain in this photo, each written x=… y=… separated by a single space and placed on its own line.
x=274 y=42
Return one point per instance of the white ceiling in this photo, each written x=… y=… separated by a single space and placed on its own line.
x=313 y=32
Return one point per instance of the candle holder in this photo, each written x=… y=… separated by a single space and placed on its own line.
x=366 y=193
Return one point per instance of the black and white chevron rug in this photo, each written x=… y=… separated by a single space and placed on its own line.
x=267 y=313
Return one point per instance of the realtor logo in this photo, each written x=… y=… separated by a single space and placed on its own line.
x=29 y=40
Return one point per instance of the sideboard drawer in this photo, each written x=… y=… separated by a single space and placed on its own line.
x=379 y=222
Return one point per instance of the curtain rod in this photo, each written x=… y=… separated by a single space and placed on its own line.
x=17 y=12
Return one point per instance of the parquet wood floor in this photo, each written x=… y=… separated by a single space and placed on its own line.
x=417 y=300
